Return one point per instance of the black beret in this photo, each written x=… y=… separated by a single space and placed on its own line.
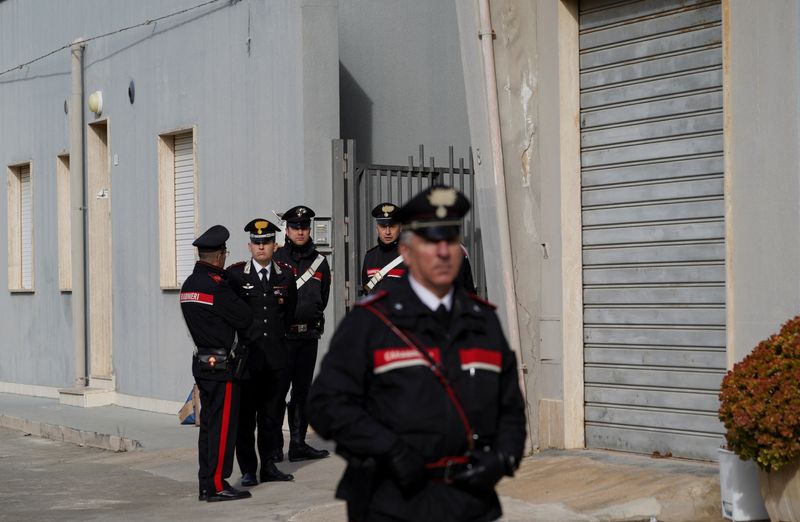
x=384 y=213
x=212 y=239
x=261 y=231
x=299 y=215
x=435 y=213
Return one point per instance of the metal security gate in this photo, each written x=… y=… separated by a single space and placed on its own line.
x=358 y=188
x=653 y=224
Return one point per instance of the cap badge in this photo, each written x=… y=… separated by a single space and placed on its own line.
x=386 y=209
x=301 y=211
x=260 y=226
x=442 y=198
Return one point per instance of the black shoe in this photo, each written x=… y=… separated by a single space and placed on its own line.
x=228 y=493
x=276 y=455
x=249 y=479
x=203 y=496
x=303 y=451
x=269 y=473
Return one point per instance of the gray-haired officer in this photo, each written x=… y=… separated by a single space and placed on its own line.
x=213 y=312
x=383 y=264
x=267 y=285
x=419 y=388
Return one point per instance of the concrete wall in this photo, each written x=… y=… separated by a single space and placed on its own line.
x=401 y=79
x=257 y=79
x=762 y=158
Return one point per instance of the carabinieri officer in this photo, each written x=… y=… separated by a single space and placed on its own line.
x=383 y=265
x=268 y=287
x=419 y=388
x=213 y=312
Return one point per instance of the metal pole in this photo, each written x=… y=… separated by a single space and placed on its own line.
x=78 y=215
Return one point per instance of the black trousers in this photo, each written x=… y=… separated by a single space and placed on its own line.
x=302 y=360
x=219 y=411
x=262 y=406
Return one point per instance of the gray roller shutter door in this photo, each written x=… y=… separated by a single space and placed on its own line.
x=653 y=224
x=184 y=205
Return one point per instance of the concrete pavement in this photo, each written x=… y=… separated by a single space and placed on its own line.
x=158 y=455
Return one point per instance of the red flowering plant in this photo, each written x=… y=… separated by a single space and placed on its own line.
x=760 y=401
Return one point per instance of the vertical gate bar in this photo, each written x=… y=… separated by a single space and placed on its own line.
x=461 y=176
x=339 y=235
x=410 y=176
x=478 y=265
x=368 y=202
x=391 y=177
x=434 y=174
x=421 y=155
x=450 y=163
x=352 y=250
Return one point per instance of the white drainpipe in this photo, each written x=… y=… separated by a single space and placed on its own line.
x=486 y=35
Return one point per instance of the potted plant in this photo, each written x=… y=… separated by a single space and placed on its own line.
x=760 y=408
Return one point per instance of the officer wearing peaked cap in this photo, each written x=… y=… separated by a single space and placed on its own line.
x=419 y=388
x=313 y=281
x=383 y=265
x=213 y=312
x=268 y=288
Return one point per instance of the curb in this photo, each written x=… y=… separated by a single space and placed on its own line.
x=58 y=433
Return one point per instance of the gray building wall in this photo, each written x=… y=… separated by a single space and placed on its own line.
x=762 y=170
x=401 y=79
x=257 y=79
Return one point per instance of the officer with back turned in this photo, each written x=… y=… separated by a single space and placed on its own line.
x=313 y=282
x=419 y=388
x=268 y=288
x=213 y=312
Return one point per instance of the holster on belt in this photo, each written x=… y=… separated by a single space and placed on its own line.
x=240 y=353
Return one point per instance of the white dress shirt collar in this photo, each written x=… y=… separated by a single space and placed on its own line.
x=428 y=298
x=258 y=268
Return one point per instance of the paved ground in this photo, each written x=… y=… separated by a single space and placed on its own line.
x=44 y=480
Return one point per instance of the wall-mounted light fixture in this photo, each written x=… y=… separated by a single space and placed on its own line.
x=96 y=102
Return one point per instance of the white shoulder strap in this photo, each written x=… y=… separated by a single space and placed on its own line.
x=308 y=274
x=378 y=276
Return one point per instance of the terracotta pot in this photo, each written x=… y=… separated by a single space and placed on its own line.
x=781 y=492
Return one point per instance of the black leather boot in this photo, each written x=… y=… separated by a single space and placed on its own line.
x=298 y=426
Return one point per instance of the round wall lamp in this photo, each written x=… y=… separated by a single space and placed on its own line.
x=96 y=102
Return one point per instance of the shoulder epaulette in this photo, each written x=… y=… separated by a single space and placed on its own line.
x=481 y=300
x=372 y=298
x=236 y=265
x=282 y=264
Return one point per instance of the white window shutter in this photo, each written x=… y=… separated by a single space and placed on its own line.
x=26 y=226
x=184 y=206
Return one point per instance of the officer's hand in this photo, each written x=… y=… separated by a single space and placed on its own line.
x=407 y=468
x=485 y=469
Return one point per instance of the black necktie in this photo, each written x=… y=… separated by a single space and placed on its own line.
x=442 y=316
x=263 y=273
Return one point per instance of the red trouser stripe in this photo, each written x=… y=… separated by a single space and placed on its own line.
x=223 y=436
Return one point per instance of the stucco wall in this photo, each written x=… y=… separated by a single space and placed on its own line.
x=401 y=80
x=761 y=170
x=257 y=79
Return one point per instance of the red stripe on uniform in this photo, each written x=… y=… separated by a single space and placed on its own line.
x=223 y=436
x=372 y=271
x=318 y=276
x=480 y=358
x=197 y=297
x=396 y=272
x=387 y=359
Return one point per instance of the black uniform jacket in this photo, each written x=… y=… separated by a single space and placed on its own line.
x=273 y=309
x=213 y=312
x=373 y=389
x=375 y=259
x=312 y=297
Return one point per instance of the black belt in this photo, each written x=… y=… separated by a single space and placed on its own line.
x=299 y=328
x=446 y=468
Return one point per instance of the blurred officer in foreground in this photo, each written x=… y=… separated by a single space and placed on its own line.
x=213 y=312
x=313 y=281
x=419 y=388
x=268 y=288
x=383 y=263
